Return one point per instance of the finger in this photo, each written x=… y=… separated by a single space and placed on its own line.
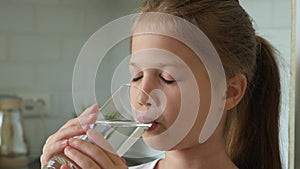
x=99 y=140
x=65 y=167
x=68 y=132
x=84 y=123
x=71 y=122
x=93 y=151
x=87 y=117
x=81 y=159
x=50 y=150
x=123 y=160
x=74 y=127
x=89 y=112
x=57 y=142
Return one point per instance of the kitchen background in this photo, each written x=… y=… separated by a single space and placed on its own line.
x=40 y=41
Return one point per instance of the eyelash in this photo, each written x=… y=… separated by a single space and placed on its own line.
x=166 y=81
x=136 y=78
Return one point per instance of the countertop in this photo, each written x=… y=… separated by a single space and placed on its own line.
x=34 y=164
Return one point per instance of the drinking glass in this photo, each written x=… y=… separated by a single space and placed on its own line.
x=117 y=121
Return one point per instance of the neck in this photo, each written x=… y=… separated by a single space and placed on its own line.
x=201 y=156
x=207 y=155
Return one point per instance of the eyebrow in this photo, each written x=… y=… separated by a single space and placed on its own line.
x=163 y=65
x=132 y=64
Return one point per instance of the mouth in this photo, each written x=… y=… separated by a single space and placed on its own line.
x=154 y=125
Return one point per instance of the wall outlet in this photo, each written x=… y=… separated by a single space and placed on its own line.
x=35 y=104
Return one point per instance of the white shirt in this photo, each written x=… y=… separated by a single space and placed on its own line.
x=149 y=165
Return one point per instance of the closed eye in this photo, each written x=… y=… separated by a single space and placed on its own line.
x=136 y=78
x=168 y=81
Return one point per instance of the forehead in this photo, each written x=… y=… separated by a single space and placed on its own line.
x=146 y=41
x=160 y=42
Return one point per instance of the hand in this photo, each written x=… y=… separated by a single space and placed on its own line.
x=99 y=155
x=57 y=142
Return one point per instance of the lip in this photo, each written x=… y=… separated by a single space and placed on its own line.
x=153 y=126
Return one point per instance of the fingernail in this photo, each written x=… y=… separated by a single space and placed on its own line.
x=72 y=141
x=123 y=160
x=94 y=108
x=64 y=166
x=64 y=142
x=68 y=150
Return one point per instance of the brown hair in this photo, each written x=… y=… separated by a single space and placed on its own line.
x=252 y=128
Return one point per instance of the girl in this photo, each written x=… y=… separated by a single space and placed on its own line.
x=247 y=135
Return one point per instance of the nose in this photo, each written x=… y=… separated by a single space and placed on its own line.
x=143 y=99
x=147 y=85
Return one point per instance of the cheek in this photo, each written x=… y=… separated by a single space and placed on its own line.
x=173 y=105
x=134 y=102
x=204 y=106
x=132 y=96
x=205 y=98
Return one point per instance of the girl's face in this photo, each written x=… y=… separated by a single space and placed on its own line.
x=159 y=63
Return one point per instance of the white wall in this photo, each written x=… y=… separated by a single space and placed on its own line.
x=39 y=43
x=273 y=22
x=297 y=105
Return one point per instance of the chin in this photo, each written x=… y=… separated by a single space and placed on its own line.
x=151 y=134
x=159 y=140
x=157 y=144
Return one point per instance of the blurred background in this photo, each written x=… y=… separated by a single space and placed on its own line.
x=41 y=39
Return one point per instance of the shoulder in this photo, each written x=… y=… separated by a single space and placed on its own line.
x=149 y=165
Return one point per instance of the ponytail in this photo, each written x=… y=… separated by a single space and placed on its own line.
x=256 y=143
